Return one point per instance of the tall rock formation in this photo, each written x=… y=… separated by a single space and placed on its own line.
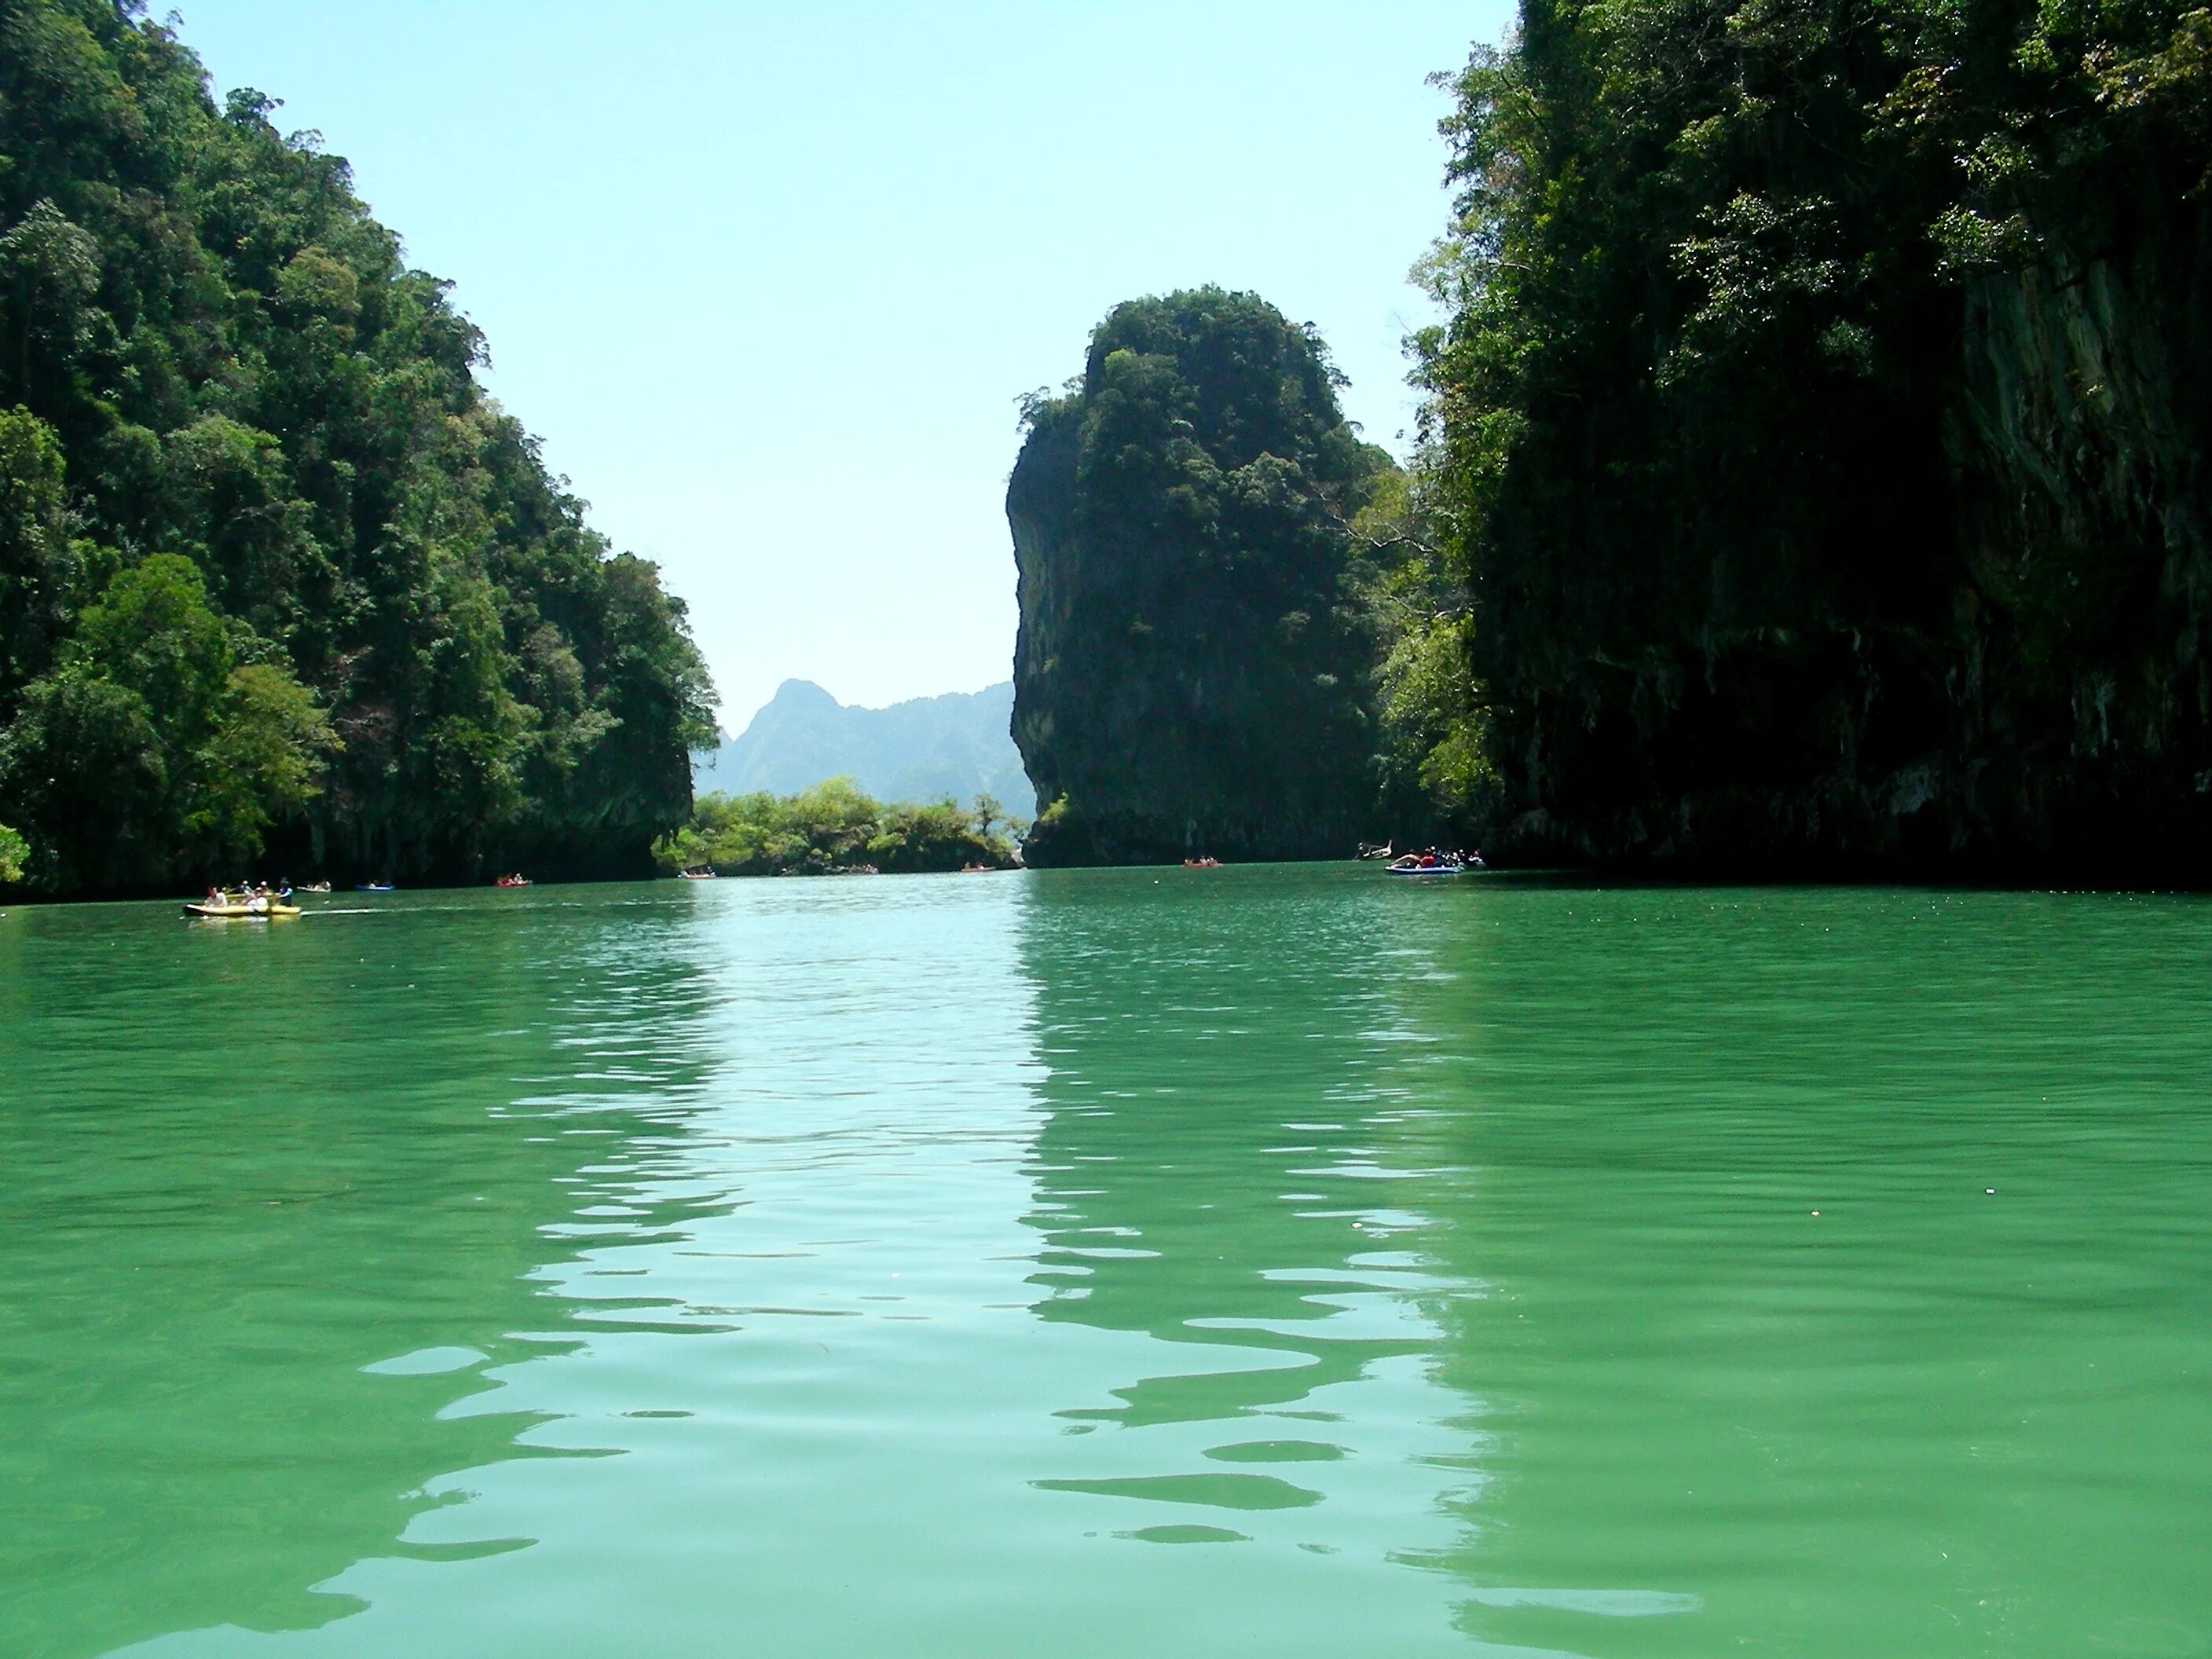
x=1823 y=432
x=1190 y=676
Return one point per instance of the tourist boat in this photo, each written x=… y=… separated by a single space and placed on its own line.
x=701 y=874
x=237 y=909
x=316 y=887
x=1410 y=866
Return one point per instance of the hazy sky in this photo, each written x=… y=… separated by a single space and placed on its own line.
x=767 y=279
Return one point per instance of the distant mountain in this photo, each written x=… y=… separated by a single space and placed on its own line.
x=957 y=745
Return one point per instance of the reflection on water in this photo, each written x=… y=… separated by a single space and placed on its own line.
x=248 y=1177
x=1220 y=1171
x=1851 y=1262
x=1246 y=1261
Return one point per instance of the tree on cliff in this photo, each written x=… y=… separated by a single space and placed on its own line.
x=1821 y=422
x=1191 y=672
x=274 y=571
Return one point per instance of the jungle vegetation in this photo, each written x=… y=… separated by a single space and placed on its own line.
x=1817 y=437
x=278 y=581
x=834 y=828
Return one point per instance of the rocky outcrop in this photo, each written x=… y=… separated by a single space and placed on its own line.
x=1824 y=433
x=2051 y=705
x=1189 y=675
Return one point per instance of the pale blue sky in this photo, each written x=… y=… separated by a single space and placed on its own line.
x=766 y=280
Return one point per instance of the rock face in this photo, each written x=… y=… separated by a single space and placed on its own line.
x=1825 y=437
x=2035 y=698
x=1189 y=678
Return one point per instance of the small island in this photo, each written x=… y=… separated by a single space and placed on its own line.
x=835 y=829
x=1190 y=677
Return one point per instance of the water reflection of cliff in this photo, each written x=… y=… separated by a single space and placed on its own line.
x=1848 y=1245
x=1224 y=1170
x=242 y=1169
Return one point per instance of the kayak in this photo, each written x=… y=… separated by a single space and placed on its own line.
x=207 y=912
x=372 y=887
x=696 y=875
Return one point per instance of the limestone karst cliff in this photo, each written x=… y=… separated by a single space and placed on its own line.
x=1822 y=418
x=1190 y=676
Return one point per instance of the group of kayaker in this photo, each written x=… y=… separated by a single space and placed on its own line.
x=1436 y=858
x=248 y=901
x=253 y=897
x=257 y=899
x=1426 y=858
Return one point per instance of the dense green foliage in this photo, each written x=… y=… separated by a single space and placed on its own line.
x=274 y=573
x=1819 y=429
x=832 y=828
x=1436 y=782
x=1192 y=670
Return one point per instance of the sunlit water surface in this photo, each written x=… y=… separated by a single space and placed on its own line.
x=1287 y=1261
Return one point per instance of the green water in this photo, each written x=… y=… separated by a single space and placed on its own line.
x=1283 y=1262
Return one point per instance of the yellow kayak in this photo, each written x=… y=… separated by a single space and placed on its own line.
x=239 y=912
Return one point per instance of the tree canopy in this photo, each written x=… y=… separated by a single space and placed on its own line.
x=278 y=579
